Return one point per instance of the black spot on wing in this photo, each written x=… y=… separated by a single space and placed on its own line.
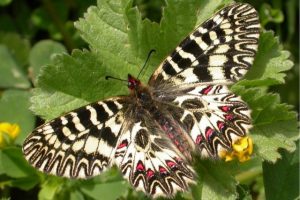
x=108 y=136
x=193 y=48
x=167 y=67
x=180 y=61
x=102 y=115
x=112 y=106
x=202 y=73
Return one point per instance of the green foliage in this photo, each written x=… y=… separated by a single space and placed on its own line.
x=119 y=40
x=277 y=184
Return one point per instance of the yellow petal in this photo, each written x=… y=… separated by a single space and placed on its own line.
x=242 y=150
x=12 y=130
x=1 y=139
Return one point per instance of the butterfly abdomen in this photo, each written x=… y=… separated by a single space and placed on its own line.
x=176 y=133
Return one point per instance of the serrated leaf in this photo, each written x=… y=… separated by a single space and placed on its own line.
x=104 y=28
x=53 y=103
x=270 y=63
x=208 y=8
x=42 y=53
x=14 y=106
x=11 y=73
x=275 y=124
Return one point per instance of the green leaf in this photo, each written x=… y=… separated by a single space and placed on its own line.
x=42 y=53
x=208 y=8
x=26 y=183
x=51 y=187
x=282 y=179
x=54 y=103
x=14 y=106
x=216 y=180
x=270 y=64
x=104 y=190
x=76 y=195
x=13 y=163
x=17 y=46
x=11 y=73
x=275 y=124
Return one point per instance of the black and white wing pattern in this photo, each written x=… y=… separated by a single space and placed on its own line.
x=80 y=144
x=152 y=134
x=149 y=160
x=194 y=77
x=221 y=50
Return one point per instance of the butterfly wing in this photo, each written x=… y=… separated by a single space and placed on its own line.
x=149 y=160
x=220 y=50
x=214 y=117
x=79 y=144
x=192 y=81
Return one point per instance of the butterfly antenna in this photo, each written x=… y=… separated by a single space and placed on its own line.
x=114 y=78
x=144 y=66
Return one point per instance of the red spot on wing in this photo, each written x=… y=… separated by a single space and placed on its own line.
x=199 y=139
x=171 y=135
x=171 y=164
x=220 y=125
x=208 y=132
x=206 y=90
x=150 y=173
x=229 y=117
x=140 y=166
x=225 y=108
x=122 y=144
x=162 y=170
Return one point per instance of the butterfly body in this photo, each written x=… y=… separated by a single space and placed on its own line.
x=150 y=135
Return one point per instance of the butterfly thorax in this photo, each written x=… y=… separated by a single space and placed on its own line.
x=139 y=91
x=167 y=124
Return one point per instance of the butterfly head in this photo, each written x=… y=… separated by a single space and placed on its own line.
x=133 y=83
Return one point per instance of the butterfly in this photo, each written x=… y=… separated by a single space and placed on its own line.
x=152 y=134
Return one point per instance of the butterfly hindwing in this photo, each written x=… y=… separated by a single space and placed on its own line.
x=79 y=144
x=220 y=50
x=212 y=115
x=149 y=160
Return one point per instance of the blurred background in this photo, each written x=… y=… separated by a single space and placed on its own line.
x=31 y=29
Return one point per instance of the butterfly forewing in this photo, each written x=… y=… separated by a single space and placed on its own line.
x=220 y=50
x=79 y=144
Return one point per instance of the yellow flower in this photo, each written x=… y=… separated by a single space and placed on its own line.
x=8 y=133
x=241 y=149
